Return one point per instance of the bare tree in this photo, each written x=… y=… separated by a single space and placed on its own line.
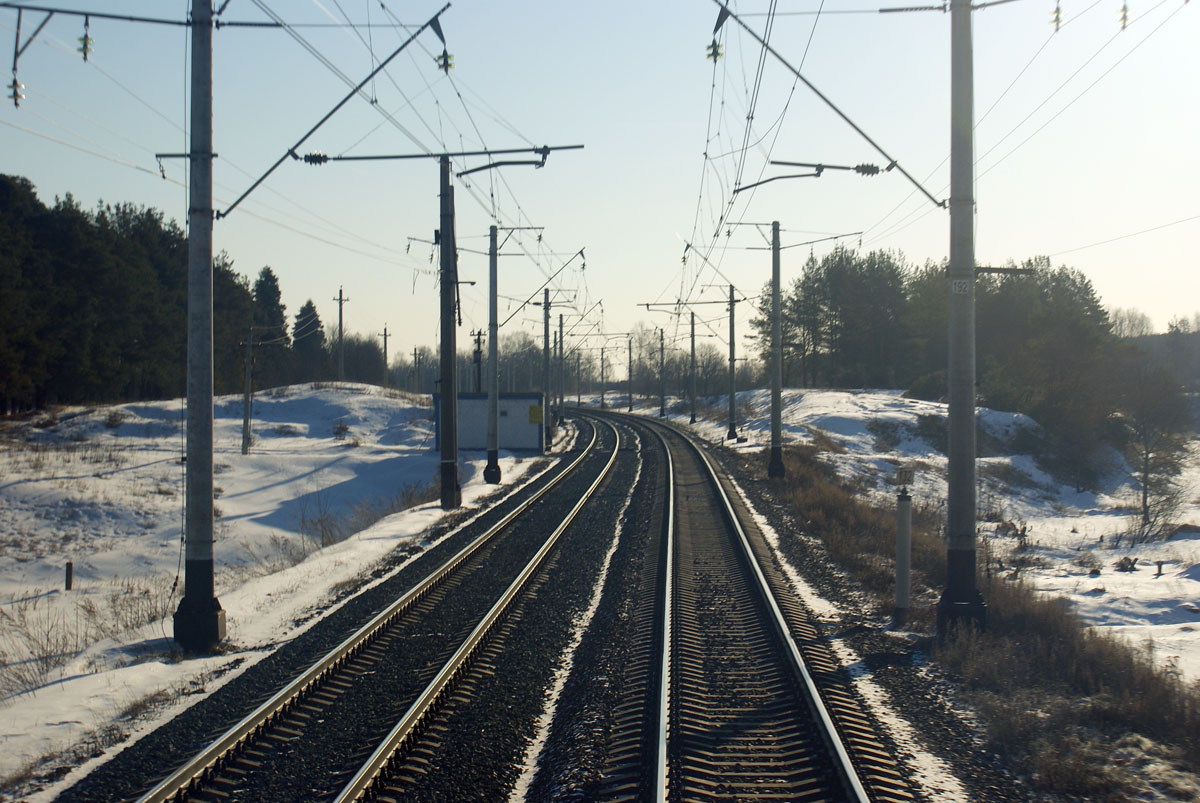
x=1130 y=322
x=1157 y=422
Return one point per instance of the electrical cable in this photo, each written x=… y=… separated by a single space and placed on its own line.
x=1126 y=236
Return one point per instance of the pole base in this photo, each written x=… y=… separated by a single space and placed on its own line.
x=199 y=624
x=953 y=615
x=775 y=468
x=899 y=617
x=491 y=472
x=732 y=434
x=451 y=492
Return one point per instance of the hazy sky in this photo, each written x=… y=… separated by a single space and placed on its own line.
x=1084 y=135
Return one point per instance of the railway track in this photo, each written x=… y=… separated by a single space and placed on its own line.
x=384 y=682
x=700 y=677
x=743 y=701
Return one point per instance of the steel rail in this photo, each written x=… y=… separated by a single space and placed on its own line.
x=361 y=784
x=844 y=762
x=661 y=789
x=212 y=757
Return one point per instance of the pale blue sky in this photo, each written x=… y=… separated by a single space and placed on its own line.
x=631 y=83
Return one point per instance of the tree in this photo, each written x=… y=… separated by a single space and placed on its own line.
x=1046 y=349
x=1129 y=322
x=308 y=345
x=270 y=331
x=1156 y=419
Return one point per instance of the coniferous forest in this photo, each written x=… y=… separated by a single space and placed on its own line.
x=94 y=305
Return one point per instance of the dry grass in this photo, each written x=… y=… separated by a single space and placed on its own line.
x=1056 y=697
x=43 y=631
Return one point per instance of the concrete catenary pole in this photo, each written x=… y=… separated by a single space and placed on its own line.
x=491 y=472
x=732 y=434
x=546 y=392
x=693 y=367
x=630 y=381
x=561 y=372
x=199 y=623
x=247 y=395
x=775 y=463
x=601 y=378
x=961 y=601
x=662 y=379
x=451 y=491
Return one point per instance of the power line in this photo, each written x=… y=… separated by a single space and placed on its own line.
x=1127 y=236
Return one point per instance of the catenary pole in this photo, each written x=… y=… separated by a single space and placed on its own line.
x=630 y=380
x=961 y=601
x=247 y=394
x=451 y=491
x=732 y=434
x=775 y=463
x=199 y=622
x=561 y=373
x=662 y=378
x=546 y=415
x=491 y=472
x=693 y=367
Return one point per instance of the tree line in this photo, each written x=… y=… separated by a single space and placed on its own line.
x=1045 y=346
x=94 y=308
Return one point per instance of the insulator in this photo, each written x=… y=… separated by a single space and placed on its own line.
x=315 y=158
x=714 y=51
x=867 y=169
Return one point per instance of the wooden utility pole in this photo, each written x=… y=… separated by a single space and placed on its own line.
x=341 y=340
x=385 y=355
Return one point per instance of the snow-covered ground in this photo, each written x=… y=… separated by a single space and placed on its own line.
x=103 y=489
x=1067 y=534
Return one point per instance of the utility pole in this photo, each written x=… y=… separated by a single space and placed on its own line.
x=199 y=622
x=775 y=463
x=631 y=374
x=341 y=341
x=561 y=372
x=451 y=491
x=662 y=379
x=385 y=355
x=546 y=367
x=578 y=380
x=246 y=393
x=491 y=472
x=732 y=434
x=417 y=369
x=601 y=377
x=693 y=367
x=961 y=601
x=478 y=356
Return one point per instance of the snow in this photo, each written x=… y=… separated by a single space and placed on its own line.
x=108 y=498
x=102 y=488
x=1067 y=533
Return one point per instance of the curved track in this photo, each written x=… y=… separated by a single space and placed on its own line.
x=748 y=703
x=308 y=739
